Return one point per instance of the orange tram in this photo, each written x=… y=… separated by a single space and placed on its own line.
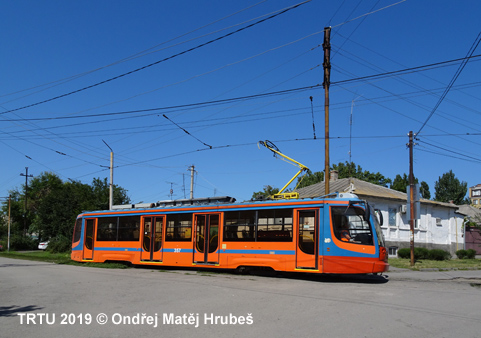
x=337 y=235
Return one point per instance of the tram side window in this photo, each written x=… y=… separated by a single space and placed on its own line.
x=349 y=225
x=107 y=229
x=179 y=228
x=77 y=231
x=239 y=226
x=129 y=228
x=274 y=225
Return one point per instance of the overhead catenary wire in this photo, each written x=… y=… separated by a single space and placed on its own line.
x=136 y=55
x=201 y=45
x=212 y=122
x=255 y=96
x=185 y=131
x=418 y=141
x=162 y=60
x=453 y=80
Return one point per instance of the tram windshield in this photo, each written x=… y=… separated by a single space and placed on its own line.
x=351 y=225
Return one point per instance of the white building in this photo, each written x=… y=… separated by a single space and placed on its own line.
x=439 y=226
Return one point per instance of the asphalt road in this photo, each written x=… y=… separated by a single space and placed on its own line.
x=48 y=300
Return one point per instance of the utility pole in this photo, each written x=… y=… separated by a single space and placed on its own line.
x=327 y=81
x=25 y=211
x=411 y=196
x=9 y=220
x=191 y=168
x=183 y=184
x=171 y=192
x=111 y=185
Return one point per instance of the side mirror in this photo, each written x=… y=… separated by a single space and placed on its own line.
x=367 y=214
x=379 y=214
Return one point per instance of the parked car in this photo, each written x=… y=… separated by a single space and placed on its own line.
x=43 y=245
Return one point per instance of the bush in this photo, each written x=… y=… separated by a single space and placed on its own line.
x=470 y=253
x=59 y=244
x=461 y=254
x=421 y=253
x=404 y=253
x=18 y=242
x=439 y=255
x=466 y=254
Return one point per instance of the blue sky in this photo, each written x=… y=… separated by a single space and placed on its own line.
x=53 y=48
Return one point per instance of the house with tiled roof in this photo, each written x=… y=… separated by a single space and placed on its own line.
x=440 y=226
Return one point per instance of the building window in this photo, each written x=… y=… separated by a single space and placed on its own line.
x=392 y=251
x=392 y=217
x=476 y=193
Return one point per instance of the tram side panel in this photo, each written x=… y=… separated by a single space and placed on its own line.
x=260 y=238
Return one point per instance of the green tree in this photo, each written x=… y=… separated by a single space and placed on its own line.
x=401 y=183
x=44 y=211
x=424 y=190
x=101 y=191
x=449 y=188
x=268 y=191
x=345 y=170
x=349 y=169
x=16 y=213
x=53 y=205
x=310 y=178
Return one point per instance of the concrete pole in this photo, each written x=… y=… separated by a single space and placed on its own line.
x=111 y=185
x=192 y=182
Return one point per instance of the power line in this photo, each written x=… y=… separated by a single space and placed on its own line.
x=160 y=61
x=136 y=55
x=455 y=77
x=406 y=70
x=255 y=96
x=277 y=141
x=451 y=156
x=450 y=151
x=182 y=106
x=372 y=12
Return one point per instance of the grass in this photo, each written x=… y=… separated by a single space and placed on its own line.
x=58 y=258
x=459 y=264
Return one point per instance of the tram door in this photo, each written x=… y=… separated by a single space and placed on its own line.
x=307 y=222
x=206 y=242
x=89 y=231
x=152 y=238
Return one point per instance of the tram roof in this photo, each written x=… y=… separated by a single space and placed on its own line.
x=227 y=200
